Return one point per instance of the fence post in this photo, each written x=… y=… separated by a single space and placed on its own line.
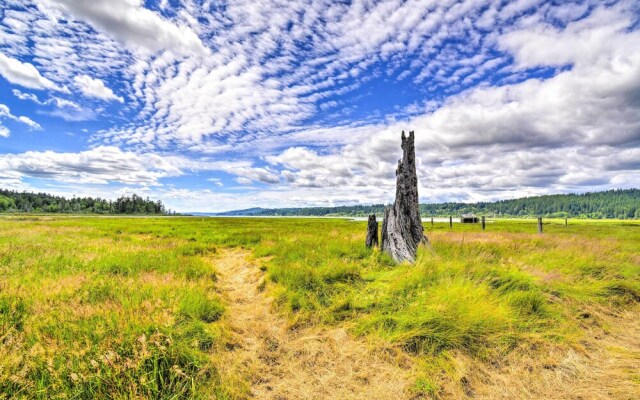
x=432 y=222
x=540 y=225
x=566 y=222
x=483 y=222
x=450 y=222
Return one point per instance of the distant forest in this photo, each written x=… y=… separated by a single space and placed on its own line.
x=622 y=203
x=14 y=201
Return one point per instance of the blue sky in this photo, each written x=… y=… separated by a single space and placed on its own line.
x=211 y=105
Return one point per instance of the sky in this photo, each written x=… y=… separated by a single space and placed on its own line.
x=217 y=105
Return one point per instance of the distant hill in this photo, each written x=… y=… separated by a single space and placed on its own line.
x=619 y=203
x=245 y=212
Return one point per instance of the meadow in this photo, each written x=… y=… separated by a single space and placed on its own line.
x=117 y=307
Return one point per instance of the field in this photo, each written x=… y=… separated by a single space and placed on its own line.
x=233 y=308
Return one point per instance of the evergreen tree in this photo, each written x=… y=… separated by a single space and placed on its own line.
x=14 y=201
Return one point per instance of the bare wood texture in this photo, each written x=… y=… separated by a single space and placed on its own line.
x=402 y=230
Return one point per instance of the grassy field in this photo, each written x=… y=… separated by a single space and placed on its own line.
x=106 y=307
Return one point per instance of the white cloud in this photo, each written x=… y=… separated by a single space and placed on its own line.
x=24 y=74
x=96 y=88
x=256 y=174
x=28 y=121
x=65 y=109
x=100 y=165
x=5 y=112
x=26 y=96
x=63 y=103
x=583 y=42
x=244 y=181
x=262 y=80
x=108 y=164
x=131 y=23
x=594 y=102
x=216 y=181
x=4 y=131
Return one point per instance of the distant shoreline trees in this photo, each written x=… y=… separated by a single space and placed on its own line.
x=27 y=202
x=618 y=203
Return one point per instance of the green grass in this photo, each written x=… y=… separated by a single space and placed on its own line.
x=128 y=307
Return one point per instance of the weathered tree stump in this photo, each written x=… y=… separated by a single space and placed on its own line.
x=372 y=232
x=402 y=230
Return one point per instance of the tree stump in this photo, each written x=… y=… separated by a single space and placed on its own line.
x=402 y=230
x=372 y=232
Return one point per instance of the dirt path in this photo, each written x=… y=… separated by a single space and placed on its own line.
x=310 y=363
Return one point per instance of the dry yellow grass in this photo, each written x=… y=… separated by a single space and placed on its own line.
x=307 y=363
x=302 y=363
x=600 y=370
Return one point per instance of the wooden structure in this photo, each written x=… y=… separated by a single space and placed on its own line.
x=540 y=225
x=469 y=219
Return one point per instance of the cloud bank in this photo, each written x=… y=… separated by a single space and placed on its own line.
x=302 y=102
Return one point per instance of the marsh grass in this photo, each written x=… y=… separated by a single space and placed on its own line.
x=106 y=308
x=128 y=307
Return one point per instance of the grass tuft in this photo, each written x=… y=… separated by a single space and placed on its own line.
x=197 y=305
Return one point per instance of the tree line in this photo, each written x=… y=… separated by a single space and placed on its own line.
x=618 y=203
x=14 y=201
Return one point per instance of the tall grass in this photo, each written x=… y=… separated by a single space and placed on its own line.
x=128 y=307
x=107 y=308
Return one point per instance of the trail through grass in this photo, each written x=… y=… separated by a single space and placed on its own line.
x=307 y=363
